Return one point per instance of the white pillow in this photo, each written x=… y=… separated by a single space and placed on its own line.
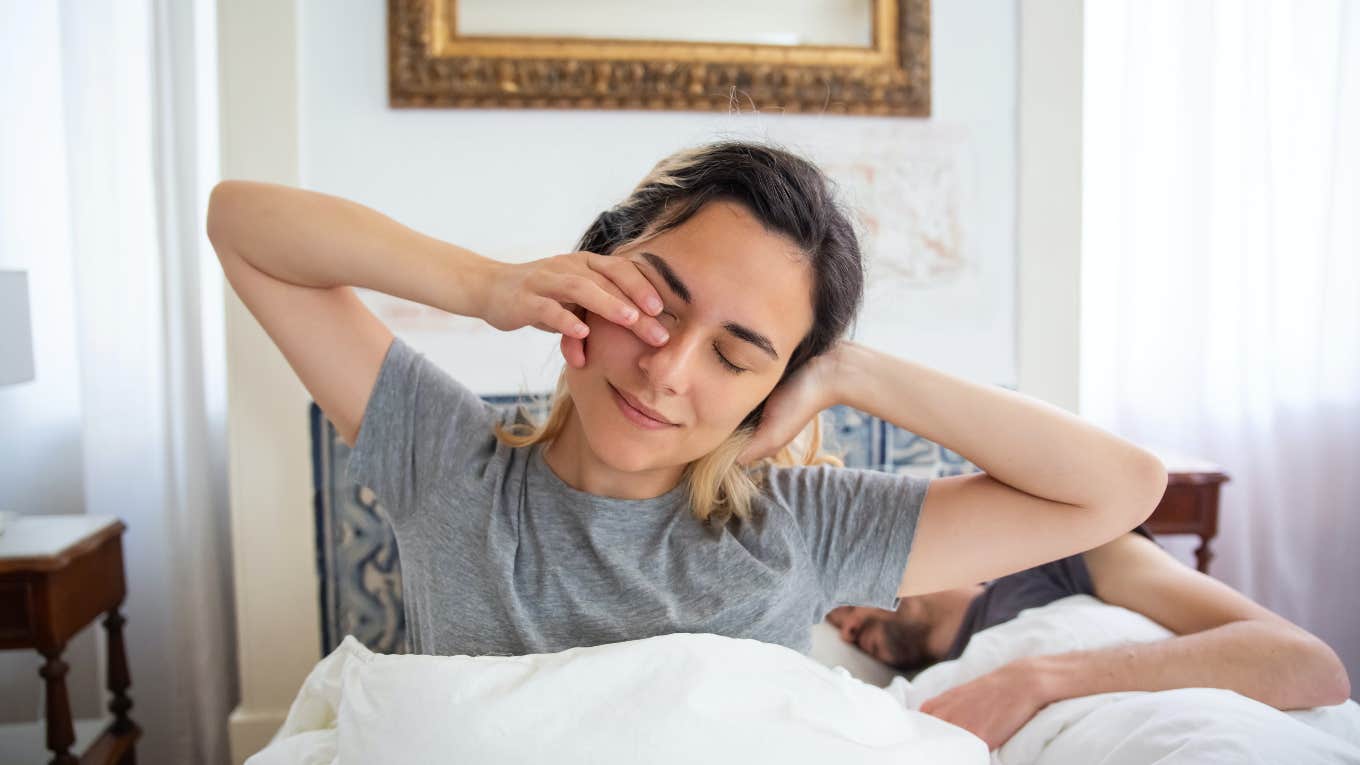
x=680 y=698
x=1074 y=623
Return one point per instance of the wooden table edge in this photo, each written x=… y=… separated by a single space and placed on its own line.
x=63 y=557
x=1196 y=477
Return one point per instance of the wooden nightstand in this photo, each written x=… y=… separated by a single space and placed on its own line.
x=1190 y=505
x=58 y=573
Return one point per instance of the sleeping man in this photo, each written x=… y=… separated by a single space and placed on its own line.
x=1222 y=640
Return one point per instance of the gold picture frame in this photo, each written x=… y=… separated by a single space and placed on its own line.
x=431 y=66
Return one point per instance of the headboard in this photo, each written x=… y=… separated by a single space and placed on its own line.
x=357 y=567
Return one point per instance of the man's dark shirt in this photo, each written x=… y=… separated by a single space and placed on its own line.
x=1003 y=599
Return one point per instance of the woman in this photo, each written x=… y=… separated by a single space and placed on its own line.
x=702 y=322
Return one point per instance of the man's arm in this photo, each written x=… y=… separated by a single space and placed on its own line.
x=1224 y=640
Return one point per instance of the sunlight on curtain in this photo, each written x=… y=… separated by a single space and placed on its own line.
x=1220 y=295
x=103 y=193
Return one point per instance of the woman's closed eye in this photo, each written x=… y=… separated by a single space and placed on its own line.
x=729 y=366
x=723 y=360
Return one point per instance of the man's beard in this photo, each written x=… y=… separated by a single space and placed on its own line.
x=905 y=644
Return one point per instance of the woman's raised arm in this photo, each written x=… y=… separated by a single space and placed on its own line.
x=292 y=256
x=1053 y=484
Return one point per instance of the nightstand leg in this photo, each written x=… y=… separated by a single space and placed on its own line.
x=118 y=679
x=60 y=733
x=1203 y=556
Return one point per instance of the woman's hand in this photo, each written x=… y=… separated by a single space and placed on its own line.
x=553 y=294
x=793 y=404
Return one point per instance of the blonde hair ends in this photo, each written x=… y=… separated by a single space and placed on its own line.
x=718 y=487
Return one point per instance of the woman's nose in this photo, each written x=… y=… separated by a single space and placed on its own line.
x=670 y=367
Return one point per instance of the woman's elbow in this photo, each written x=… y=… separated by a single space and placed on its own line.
x=220 y=205
x=1145 y=487
x=1133 y=492
x=1341 y=693
x=1132 y=489
x=1335 y=687
x=1313 y=675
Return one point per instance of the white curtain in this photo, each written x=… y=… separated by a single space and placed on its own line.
x=1221 y=299
x=136 y=141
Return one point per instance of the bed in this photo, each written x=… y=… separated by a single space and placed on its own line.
x=616 y=703
x=686 y=698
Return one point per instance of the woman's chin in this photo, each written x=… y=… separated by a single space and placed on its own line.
x=619 y=450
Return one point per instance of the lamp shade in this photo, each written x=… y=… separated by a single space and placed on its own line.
x=16 y=336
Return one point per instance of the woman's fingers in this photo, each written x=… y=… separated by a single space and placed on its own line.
x=574 y=348
x=597 y=298
x=574 y=351
x=561 y=290
x=551 y=313
x=626 y=275
x=585 y=292
x=646 y=327
x=622 y=274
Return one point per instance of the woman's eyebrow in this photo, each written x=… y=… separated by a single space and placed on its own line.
x=672 y=279
x=681 y=291
x=751 y=336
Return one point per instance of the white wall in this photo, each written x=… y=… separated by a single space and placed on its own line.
x=268 y=458
x=304 y=101
x=1050 y=133
x=517 y=185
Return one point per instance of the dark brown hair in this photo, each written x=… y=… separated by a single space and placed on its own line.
x=788 y=194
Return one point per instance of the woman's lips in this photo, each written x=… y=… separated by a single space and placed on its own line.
x=635 y=415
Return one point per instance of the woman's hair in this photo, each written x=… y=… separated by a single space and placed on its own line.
x=790 y=196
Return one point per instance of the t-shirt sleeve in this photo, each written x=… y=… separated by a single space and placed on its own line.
x=1070 y=575
x=1067 y=576
x=421 y=426
x=858 y=524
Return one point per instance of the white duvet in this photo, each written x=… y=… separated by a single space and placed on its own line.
x=690 y=698
x=679 y=698
x=1193 y=725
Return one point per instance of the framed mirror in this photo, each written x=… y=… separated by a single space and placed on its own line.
x=819 y=56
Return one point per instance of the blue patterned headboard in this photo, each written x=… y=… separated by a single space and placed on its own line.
x=357 y=566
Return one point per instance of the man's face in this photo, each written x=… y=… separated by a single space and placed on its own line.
x=897 y=639
x=738 y=300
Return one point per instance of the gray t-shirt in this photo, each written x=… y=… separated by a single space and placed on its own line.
x=500 y=557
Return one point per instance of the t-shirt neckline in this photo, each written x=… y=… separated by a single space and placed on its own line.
x=598 y=501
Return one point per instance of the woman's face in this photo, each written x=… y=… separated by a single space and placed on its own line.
x=738 y=300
